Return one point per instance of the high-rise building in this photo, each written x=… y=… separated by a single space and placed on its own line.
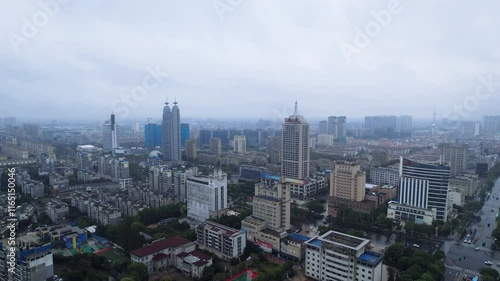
x=215 y=146
x=160 y=179
x=271 y=214
x=273 y=147
x=272 y=204
x=32 y=130
x=341 y=127
x=109 y=134
x=240 y=144
x=404 y=124
x=323 y=128
x=295 y=147
x=456 y=156
x=152 y=135
x=190 y=149
x=341 y=257
x=384 y=176
x=491 y=123
x=223 y=135
x=206 y=196
x=347 y=182
x=204 y=137
x=332 y=126
x=418 y=179
x=380 y=125
x=9 y=121
x=185 y=133
x=171 y=130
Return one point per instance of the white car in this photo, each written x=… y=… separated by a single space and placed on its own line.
x=477 y=248
x=488 y=263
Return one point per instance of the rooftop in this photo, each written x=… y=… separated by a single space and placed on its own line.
x=157 y=246
x=344 y=240
x=195 y=257
x=370 y=258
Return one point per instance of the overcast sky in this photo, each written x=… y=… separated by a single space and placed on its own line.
x=249 y=58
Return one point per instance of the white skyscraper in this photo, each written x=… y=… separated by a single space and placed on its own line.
x=206 y=196
x=295 y=147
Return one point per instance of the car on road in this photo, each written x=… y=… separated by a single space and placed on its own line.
x=416 y=246
x=465 y=241
x=488 y=263
x=477 y=248
x=469 y=241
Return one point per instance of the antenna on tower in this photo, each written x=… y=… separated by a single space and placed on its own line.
x=296 y=111
x=434 y=116
x=175 y=100
x=149 y=120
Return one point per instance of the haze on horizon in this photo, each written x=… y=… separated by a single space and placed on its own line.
x=249 y=60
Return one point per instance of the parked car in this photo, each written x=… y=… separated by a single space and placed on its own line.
x=488 y=263
x=477 y=248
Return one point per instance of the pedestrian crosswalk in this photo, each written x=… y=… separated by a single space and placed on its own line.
x=463 y=270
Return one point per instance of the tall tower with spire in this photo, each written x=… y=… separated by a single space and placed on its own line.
x=176 y=132
x=295 y=154
x=171 y=133
x=166 y=125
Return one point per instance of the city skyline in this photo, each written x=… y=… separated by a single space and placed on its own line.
x=266 y=54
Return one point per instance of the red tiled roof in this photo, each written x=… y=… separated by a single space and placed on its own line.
x=160 y=257
x=172 y=242
x=203 y=258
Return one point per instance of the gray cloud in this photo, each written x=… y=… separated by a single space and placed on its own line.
x=259 y=59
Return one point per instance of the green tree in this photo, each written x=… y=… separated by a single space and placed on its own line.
x=138 y=269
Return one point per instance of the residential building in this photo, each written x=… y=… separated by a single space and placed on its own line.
x=207 y=196
x=384 y=176
x=456 y=156
x=215 y=146
x=240 y=144
x=160 y=179
x=323 y=128
x=57 y=210
x=332 y=126
x=224 y=241
x=190 y=148
x=347 y=181
x=338 y=256
x=467 y=184
x=325 y=140
x=491 y=123
x=204 y=137
x=295 y=147
x=273 y=147
x=341 y=127
x=380 y=125
x=404 y=124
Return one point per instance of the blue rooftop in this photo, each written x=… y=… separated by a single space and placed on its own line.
x=300 y=237
x=370 y=258
x=316 y=242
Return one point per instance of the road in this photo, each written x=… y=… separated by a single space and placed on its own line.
x=463 y=258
